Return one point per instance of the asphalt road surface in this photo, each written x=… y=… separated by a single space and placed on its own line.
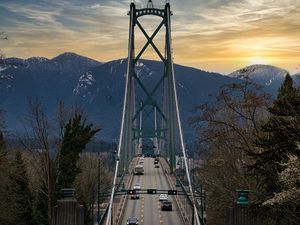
x=147 y=208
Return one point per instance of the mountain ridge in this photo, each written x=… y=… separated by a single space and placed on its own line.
x=99 y=87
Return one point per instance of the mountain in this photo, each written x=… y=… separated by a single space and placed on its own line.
x=50 y=80
x=104 y=86
x=265 y=75
x=96 y=87
x=99 y=88
x=296 y=78
x=270 y=77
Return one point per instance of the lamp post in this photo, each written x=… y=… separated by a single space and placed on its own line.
x=98 y=192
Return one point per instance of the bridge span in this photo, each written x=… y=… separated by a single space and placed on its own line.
x=148 y=207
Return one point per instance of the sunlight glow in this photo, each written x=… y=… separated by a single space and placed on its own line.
x=258 y=61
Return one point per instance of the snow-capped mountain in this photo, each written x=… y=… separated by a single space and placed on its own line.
x=68 y=62
x=296 y=78
x=101 y=90
x=99 y=87
x=265 y=75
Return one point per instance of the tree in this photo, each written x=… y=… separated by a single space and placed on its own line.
x=55 y=148
x=23 y=200
x=278 y=140
x=37 y=142
x=289 y=180
x=86 y=183
x=6 y=209
x=227 y=127
x=76 y=135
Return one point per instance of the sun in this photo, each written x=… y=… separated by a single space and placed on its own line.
x=258 y=61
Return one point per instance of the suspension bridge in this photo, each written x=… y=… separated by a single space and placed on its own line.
x=151 y=126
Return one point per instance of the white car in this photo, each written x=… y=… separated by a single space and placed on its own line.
x=137 y=187
x=163 y=197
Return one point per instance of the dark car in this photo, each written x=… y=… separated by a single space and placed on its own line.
x=132 y=221
x=166 y=205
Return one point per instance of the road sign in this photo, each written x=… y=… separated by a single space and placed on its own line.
x=243 y=197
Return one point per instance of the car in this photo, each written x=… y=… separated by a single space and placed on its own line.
x=156 y=166
x=163 y=197
x=134 y=196
x=137 y=187
x=166 y=205
x=155 y=162
x=132 y=221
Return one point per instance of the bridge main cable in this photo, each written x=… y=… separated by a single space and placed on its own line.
x=180 y=129
x=109 y=214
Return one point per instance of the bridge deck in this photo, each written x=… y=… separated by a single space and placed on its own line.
x=147 y=208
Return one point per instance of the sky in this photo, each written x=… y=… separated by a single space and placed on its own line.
x=213 y=35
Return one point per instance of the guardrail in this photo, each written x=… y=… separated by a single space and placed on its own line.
x=102 y=220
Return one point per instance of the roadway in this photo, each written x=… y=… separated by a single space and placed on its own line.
x=147 y=208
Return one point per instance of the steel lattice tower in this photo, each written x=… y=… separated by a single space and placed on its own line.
x=165 y=133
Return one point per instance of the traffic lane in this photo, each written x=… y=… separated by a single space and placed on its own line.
x=132 y=209
x=170 y=217
x=151 y=214
x=148 y=208
x=157 y=180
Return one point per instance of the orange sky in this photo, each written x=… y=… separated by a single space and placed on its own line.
x=220 y=35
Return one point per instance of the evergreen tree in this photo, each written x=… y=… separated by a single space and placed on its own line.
x=41 y=206
x=76 y=135
x=5 y=197
x=280 y=138
x=21 y=192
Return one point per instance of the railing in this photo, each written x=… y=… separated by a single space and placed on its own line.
x=103 y=217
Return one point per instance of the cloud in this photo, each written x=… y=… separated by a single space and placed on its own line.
x=216 y=34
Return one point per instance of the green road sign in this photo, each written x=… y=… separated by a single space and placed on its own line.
x=243 y=197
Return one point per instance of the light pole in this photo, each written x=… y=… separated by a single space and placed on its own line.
x=98 y=192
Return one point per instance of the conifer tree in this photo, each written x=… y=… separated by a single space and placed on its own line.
x=5 y=209
x=279 y=139
x=19 y=184
x=76 y=135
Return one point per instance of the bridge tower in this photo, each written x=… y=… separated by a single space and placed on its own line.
x=150 y=110
x=163 y=129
